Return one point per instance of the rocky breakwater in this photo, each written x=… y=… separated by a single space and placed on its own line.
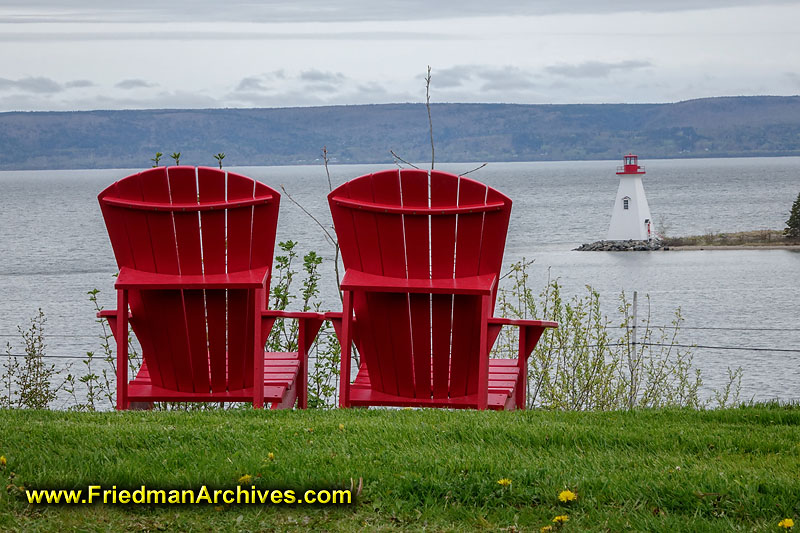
x=623 y=246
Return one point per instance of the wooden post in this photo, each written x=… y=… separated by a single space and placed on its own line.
x=635 y=317
x=632 y=355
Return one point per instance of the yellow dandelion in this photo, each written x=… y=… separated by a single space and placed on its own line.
x=560 y=519
x=786 y=523
x=3 y=461
x=567 y=496
x=341 y=426
x=310 y=430
x=504 y=482
x=271 y=456
x=545 y=529
x=245 y=479
x=218 y=508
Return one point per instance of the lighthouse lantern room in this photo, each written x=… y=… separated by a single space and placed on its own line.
x=631 y=218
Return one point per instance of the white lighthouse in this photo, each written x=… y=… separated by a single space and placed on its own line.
x=631 y=216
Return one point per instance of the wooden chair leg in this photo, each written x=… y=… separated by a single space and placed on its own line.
x=289 y=398
x=121 y=335
x=346 y=342
x=258 y=353
x=521 y=391
x=483 y=355
x=307 y=332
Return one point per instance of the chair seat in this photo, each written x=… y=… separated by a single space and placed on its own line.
x=503 y=379
x=280 y=375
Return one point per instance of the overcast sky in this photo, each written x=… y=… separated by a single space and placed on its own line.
x=114 y=54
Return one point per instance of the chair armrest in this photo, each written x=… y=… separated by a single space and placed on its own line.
x=292 y=314
x=523 y=322
x=530 y=332
x=354 y=280
x=130 y=278
x=111 y=313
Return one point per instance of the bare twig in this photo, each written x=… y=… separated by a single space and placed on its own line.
x=398 y=158
x=473 y=170
x=328 y=236
x=327 y=172
x=335 y=242
x=428 y=106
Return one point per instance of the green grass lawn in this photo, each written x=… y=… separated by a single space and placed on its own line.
x=655 y=470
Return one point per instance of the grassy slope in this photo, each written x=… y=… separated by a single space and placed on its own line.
x=435 y=470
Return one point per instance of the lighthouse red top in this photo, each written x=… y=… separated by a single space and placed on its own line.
x=631 y=165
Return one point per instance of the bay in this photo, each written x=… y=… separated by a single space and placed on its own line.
x=54 y=248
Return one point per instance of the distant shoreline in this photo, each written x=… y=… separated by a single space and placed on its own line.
x=723 y=127
x=696 y=247
x=766 y=239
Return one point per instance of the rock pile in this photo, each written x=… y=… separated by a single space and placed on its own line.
x=623 y=246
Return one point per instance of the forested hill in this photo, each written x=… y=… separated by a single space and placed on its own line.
x=710 y=127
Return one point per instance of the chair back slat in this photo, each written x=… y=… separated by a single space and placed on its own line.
x=240 y=225
x=264 y=221
x=466 y=309
x=165 y=308
x=414 y=186
x=211 y=185
x=419 y=345
x=366 y=246
x=130 y=238
x=187 y=221
x=183 y=190
x=386 y=190
x=495 y=228
x=444 y=193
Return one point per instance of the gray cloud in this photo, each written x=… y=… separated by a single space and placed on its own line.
x=315 y=75
x=309 y=83
x=38 y=84
x=232 y=35
x=134 y=84
x=251 y=84
x=321 y=88
x=595 y=69
x=488 y=78
x=372 y=90
x=43 y=11
x=298 y=93
x=79 y=84
x=452 y=77
x=162 y=100
x=505 y=78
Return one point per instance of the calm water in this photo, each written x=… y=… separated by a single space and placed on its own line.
x=54 y=248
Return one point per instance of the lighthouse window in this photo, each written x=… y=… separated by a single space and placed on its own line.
x=625 y=203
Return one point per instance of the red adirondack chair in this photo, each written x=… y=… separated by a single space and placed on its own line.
x=422 y=255
x=194 y=247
